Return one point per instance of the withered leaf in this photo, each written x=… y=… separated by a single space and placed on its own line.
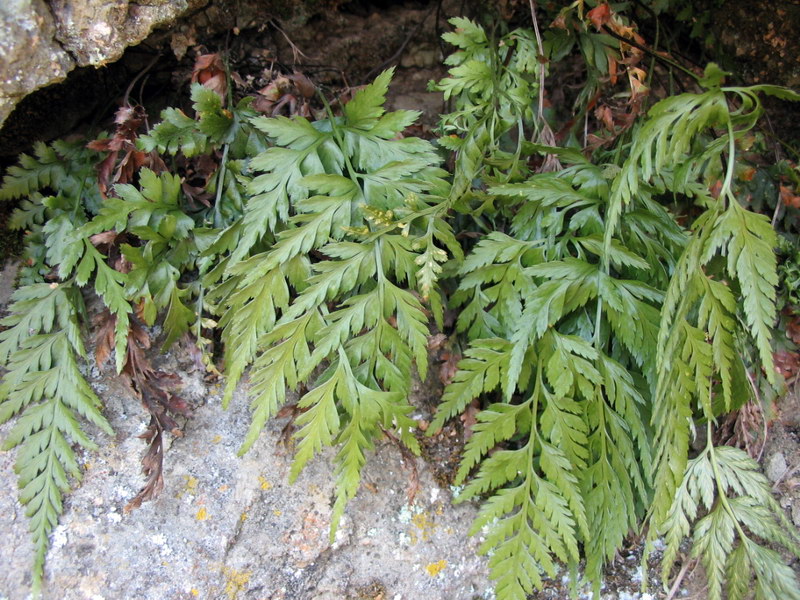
x=787 y=363
x=303 y=84
x=600 y=15
x=209 y=70
x=103 y=238
x=103 y=337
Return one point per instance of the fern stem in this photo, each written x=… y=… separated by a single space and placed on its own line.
x=381 y=288
x=335 y=131
x=726 y=185
x=220 y=183
x=537 y=388
x=540 y=108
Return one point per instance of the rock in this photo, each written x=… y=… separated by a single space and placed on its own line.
x=41 y=43
x=30 y=57
x=7 y=278
x=96 y=32
x=226 y=527
x=776 y=466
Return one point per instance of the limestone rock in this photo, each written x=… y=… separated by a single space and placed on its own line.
x=96 y=32
x=227 y=527
x=40 y=43
x=30 y=57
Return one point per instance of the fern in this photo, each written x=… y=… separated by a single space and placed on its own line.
x=47 y=393
x=72 y=234
x=596 y=314
x=702 y=321
x=736 y=498
x=348 y=209
x=598 y=331
x=59 y=194
x=574 y=473
x=491 y=82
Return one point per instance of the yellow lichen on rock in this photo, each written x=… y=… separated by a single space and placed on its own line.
x=435 y=568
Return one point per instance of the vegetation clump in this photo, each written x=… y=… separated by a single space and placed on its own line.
x=612 y=295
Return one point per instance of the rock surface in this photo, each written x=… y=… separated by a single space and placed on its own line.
x=233 y=528
x=30 y=57
x=40 y=42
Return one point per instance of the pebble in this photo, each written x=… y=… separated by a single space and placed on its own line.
x=776 y=466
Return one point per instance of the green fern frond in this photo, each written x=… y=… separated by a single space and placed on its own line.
x=33 y=173
x=481 y=370
x=748 y=240
x=350 y=219
x=726 y=485
x=46 y=392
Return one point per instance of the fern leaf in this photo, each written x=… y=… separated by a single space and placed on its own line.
x=110 y=285
x=176 y=132
x=257 y=305
x=33 y=173
x=354 y=440
x=320 y=423
x=411 y=323
x=727 y=484
x=45 y=388
x=481 y=370
x=495 y=424
x=286 y=361
x=366 y=107
x=749 y=248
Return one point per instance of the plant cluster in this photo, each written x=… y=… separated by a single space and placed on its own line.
x=599 y=328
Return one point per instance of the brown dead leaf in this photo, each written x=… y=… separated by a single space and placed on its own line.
x=637 y=78
x=448 y=367
x=128 y=119
x=436 y=341
x=103 y=337
x=793 y=330
x=612 y=70
x=303 y=85
x=787 y=363
x=788 y=197
x=122 y=265
x=559 y=22
x=470 y=417
x=104 y=238
x=747 y=174
x=209 y=70
x=156 y=390
x=600 y=15
x=715 y=189
x=603 y=114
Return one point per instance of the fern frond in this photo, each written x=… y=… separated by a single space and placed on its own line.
x=748 y=240
x=481 y=370
x=333 y=289
x=286 y=362
x=47 y=393
x=728 y=487
x=33 y=173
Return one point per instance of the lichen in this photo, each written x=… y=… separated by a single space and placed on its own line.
x=434 y=568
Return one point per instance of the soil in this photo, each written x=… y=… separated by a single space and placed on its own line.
x=228 y=527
